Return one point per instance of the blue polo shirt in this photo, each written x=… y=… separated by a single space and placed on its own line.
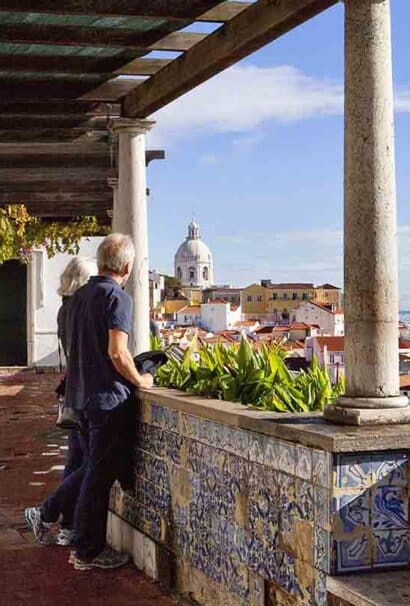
x=92 y=381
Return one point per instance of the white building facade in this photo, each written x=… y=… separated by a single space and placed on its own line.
x=331 y=322
x=216 y=317
x=189 y=316
x=156 y=288
x=193 y=260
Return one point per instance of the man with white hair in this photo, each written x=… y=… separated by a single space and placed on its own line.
x=101 y=377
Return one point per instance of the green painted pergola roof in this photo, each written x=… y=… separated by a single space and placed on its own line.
x=69 y=66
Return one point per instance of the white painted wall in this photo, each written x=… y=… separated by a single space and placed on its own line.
x=187 y=317
x=43 y=302
x=331 y=324
x=216 y=317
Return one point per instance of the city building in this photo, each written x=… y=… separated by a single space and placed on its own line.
x=219 y=316
x=329 y=352
x=193 y=261
x=156 y=288
x=270 y=302
x=330 y=319
x=189 y=316
x=222 y=293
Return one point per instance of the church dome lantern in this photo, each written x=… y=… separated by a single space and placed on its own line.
x=193 y=260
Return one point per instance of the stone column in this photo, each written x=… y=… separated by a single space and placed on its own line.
x=370 y=255
x=130 y=217
x=114 y=184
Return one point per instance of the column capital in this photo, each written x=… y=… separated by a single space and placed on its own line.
x=131 y=125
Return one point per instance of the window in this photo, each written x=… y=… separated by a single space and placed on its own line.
x=192 y=273
x=342 y=359
x=179 y=273
x=260 y=299
x=285 y=296
x=249 y=298
x=295 y=296
x=274 y=296
x=205 y=273
x=305 y=296
x=332 y=359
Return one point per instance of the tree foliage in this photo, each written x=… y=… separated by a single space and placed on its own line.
x=21 y=233
x=257 y=378
x=173 y=287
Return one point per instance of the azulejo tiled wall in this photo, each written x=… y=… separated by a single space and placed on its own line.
x=371 y=511
x=239 y=505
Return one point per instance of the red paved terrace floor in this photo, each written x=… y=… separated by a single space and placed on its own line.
x=30 y=449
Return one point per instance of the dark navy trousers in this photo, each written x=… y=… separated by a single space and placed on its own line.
x=106 y=442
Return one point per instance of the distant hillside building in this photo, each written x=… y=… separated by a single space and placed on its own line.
x=193 y=261
x=270 y=302
x=222 y=293
x=330 y=319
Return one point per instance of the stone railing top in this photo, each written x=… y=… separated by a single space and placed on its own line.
x=308 y=429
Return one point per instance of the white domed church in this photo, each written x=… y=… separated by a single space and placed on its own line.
x=193 y=260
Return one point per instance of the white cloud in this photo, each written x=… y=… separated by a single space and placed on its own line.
x=244 y=97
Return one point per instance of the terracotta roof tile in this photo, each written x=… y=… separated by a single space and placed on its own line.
x=332 y=343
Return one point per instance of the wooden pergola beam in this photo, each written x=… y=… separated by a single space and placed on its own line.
x=165 y=9
x=65 y=155
x=60 y=121
x=64 y=197
x=57 y=106
x=51 y=135
x=71 y=35
x=259 y=24
x=58 y=210
x=55 y=174
x=68 y=64
x=54 y=149
x=224 y=12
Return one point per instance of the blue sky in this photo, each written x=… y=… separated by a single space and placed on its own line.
x=256 y=154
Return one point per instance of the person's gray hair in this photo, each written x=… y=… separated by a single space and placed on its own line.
x=115 y=252
x=76 y=274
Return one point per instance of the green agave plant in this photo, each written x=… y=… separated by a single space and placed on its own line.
x=257 y=378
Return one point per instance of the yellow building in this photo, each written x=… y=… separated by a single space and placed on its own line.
x=273 y=302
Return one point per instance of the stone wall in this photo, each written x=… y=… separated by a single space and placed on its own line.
x=228 y=515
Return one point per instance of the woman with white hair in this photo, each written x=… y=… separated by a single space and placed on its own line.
x=75 y=275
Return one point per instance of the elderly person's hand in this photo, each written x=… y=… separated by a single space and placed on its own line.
x=146 y=381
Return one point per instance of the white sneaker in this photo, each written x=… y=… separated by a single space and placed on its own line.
x=43 y=531
x=107 y=560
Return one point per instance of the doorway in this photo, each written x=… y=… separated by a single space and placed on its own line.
x=13 y=314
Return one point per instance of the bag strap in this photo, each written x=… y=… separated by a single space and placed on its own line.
x=60 y=359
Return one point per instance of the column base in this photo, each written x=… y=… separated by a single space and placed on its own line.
x=344 y=414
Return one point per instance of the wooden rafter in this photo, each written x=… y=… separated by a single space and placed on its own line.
x=13 y=105
x=65 y=155
x=73 y=35
x=59 y=209
x=68 y=197
x=76 y=174
x=49 y=121
x=166 y=9
x=261 y=23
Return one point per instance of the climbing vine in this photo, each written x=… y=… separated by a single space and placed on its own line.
x=21 y=232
